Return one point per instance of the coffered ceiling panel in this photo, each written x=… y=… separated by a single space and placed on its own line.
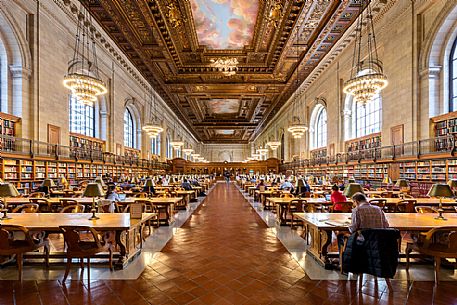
x=225 y=66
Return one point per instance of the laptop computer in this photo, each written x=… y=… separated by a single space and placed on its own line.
x=327 y=197
x=122 y=197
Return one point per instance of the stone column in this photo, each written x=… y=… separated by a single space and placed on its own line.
x=20 y=102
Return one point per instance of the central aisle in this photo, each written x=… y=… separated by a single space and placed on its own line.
x=225 y=254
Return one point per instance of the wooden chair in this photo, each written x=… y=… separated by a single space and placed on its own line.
x=295 y=206
x=287 y=195
x=438 y=242
x=10 y=245
x=37 y=195
x=77 y=248
x=42 y=203
x=77 y=208
x=141 y=195
x=424 y=209
x=378 y=202
x=149 y=207
x=27 y=208
x=406 y=206
x=346 y=207
x=107 y=206
x=386 y=194
x=67 y=202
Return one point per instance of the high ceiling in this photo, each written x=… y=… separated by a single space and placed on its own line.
x=176 y=45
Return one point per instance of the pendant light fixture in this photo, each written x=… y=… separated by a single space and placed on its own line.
x=82 y=76
x=367 y=77
x=177 y=143
x=297 y=128
x=153 y=128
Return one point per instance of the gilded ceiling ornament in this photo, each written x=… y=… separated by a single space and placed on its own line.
x=174 y=15
x=275 y=14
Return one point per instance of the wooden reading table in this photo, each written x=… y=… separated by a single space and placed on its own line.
x=126 y=230
x=321 y=226
x=283 y=203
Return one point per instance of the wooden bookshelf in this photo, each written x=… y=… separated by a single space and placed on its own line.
x=132 y=153
x=441 y=126
x=370 y=141
x=318 y=153
x=86 y=143
x=8 y=127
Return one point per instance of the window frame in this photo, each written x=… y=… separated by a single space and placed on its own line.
x=453 y=77
x=129 y=130
x=319 y=138
x=85 y=127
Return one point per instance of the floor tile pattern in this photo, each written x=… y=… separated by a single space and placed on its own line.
x=224 y=254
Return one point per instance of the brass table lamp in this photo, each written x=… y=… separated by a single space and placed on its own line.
x=48 y=183
x=93 y=190
x=440 y=191
x=148 y=185
x=7 y=190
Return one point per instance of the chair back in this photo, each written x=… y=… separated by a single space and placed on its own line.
x=27 y=208
x=165 y=195
x=386 y=194
x=106 y=206
x=296 y=206
x=424 y=209
x=310 y=207
x=262 y=188
x=8 y=236
x=141 y=195
x=346 y=206
x=378 y=202
x=276 y=194
x=287 y=195
x=37 y=195
x=406 y=206
x=72 y=237
x=67 y=202
x=146 y=205
x=77 y=208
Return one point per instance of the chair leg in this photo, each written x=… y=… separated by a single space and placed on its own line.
x=46 y=252
x=389 y=285
x=67 y=269
x=360 y=281
x=110 y=249
x=88 y=270
x=407 y=252
x=19 y=259
x=437 y=261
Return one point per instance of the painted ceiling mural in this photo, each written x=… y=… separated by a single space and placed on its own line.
x=224 y=24
x=224 y=106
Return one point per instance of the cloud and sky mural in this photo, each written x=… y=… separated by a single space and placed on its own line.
x=224 y=24
x=224 y=106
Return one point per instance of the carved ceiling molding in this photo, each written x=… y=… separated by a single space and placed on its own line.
x=159 y=38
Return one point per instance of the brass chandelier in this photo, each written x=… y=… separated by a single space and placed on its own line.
x=82 y=77
x=367 y=77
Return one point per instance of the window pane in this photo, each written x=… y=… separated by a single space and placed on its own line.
x=81 y=118
x=128 y=129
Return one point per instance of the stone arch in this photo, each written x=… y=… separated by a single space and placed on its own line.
x=133 y=106
x=16 y=67
x=319 y=106
x=433 y=59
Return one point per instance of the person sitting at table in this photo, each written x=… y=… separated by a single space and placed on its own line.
x=336 y=197
x=287 y=185
x=261 y=183
x=186 y=185
x=111 y=193
x=302 y=186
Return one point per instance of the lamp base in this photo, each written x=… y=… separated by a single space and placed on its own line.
x=440 y=216
x=93 y=217
x=5 y=217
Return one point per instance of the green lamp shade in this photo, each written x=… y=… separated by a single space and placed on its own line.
x=402 y=183
x=8 y=190
x=452 y=183
x=440 y=190
x=93 y=190
x=48 y=183
x=351 y=189
x=148 y=183
x=351 y=180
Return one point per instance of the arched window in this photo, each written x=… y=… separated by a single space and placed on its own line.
x=178 y=153
x=156 y=145
x=367 y=117
x=82 y=118
x=453 y=78
x=319 y=127
x=129 y=129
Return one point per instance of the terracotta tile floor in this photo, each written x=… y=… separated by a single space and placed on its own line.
x=224 y=254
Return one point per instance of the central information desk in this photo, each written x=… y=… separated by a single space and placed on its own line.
x=321 y=225
x=128 y=232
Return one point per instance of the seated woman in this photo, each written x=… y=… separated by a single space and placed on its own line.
x=336 y=197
